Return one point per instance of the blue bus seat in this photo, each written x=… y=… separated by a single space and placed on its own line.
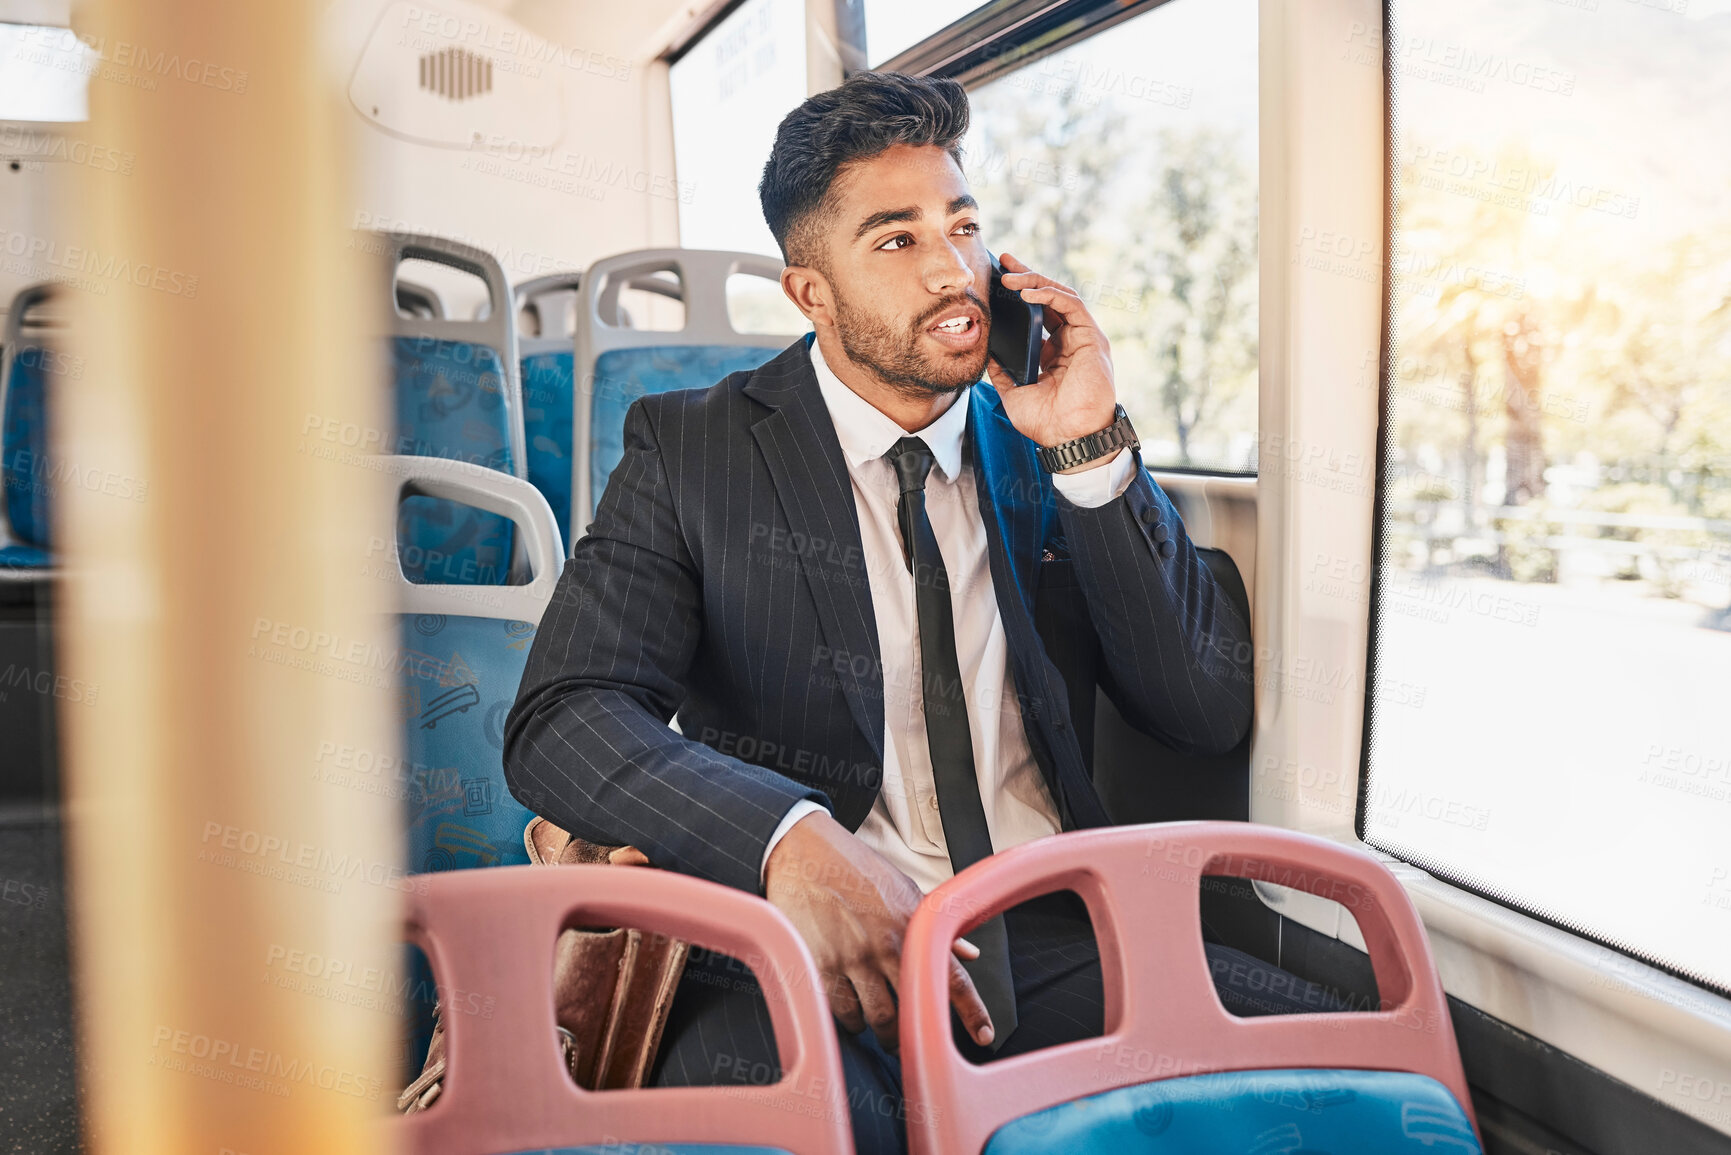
x=461 y=658
x=26 y=467
x=457 y=396
x=1290 y=1112
x=620 y=363
x=1175 y=1072
x=546 y=342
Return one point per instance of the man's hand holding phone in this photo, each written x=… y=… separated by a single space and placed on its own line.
x=1075 y=394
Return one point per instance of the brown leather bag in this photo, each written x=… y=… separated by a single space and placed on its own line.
x=611 y=988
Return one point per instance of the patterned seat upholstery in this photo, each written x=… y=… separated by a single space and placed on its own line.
x=547 y=401
x=451 y=403
x=459 y=676
x=619 y=363
x=545 y=308
x=1293 y=1112
x=624 y=375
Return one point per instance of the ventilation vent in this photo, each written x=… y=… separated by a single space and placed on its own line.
x=456 y=74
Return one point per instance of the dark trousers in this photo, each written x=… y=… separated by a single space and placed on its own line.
x=718 y=1030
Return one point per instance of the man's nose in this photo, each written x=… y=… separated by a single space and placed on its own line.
x=948 y=270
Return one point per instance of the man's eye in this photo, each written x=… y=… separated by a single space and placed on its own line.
x=899 y=241
x=971 y=228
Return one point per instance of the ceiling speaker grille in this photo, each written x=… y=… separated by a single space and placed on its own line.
x=456 y=74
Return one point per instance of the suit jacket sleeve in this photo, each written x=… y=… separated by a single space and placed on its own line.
x=1176 y=652
x=587 y=743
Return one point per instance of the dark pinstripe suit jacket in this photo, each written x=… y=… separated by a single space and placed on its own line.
x=723 y=580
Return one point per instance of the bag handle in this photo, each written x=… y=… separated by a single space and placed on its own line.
x=1163 y=1019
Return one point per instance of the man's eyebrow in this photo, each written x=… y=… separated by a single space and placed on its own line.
x=886 y=217
x=911 y=213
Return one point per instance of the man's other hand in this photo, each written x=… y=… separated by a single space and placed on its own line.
x=852 y=908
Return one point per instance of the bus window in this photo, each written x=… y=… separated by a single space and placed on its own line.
x=1126 y=167
x=1551 y=642
x=730 y=91
x=892 y=26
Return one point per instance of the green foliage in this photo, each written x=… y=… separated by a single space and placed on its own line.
x=1157 y=232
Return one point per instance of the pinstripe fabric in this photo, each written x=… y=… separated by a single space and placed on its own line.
x=723 y=579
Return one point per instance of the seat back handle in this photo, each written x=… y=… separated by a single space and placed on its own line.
x=1142 y=886
x=490 y=936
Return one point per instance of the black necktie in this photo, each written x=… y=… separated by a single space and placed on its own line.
x=948 y=737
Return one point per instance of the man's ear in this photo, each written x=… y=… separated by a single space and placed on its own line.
x=810 y=292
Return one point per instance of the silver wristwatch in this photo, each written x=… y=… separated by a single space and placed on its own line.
x=1082 y=450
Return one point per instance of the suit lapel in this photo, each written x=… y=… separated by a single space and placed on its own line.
x=799 y=446
x=1013 y=504
x=1020 y=512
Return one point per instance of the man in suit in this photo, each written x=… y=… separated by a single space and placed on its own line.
x=829 y=568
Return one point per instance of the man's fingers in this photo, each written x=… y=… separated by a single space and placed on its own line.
x=878 y=1007
x=995 y=373
x=1049 y=354
x=1067 y=305
x=967 y=1002
x=1029 y=278
x=844 y=1002
x=963 y=949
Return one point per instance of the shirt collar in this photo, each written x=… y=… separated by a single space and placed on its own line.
x=866 y=433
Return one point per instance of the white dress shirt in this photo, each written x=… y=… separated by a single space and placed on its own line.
x=904 y=825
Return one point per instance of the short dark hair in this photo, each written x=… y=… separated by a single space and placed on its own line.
x=868 y=114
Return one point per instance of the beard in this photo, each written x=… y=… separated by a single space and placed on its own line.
x=894 y=355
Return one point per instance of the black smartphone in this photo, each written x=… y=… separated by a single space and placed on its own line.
x=1018 y=329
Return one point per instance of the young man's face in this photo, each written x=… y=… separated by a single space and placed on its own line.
x=908 y=270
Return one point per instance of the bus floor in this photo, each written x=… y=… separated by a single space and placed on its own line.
x=38 y=1082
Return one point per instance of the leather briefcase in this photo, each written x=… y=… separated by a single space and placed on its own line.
x=611 y=988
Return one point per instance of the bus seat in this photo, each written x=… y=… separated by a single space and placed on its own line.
x=461 y=653
x=1175 y=1072
x=421 y=301
x=546 y=342
x=493 y=931
x=457 y=396
x=1141 y=779
x=623 y=363
x=462 y=656
x=25 y=363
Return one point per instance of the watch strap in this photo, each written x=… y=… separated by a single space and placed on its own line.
x=1081 y=450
